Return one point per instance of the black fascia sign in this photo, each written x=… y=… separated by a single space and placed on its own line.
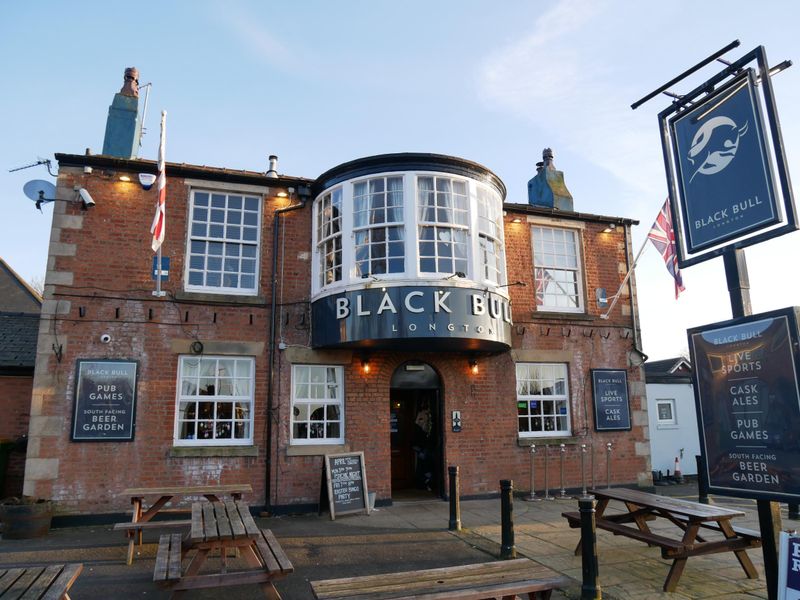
x=748 y=405
x=611 y=404
x=105 y=401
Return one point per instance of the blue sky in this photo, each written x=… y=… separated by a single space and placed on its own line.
x=321 y=83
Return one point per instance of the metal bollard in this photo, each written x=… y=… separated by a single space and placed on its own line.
x=532 y=496
x=608 y=465
x=702 y=480
x=590 y=588
x=507 y=548
x=547 y=495
x=562 y=495
x=583 y=470
x=455 y=500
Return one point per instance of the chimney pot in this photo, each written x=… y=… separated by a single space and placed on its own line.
x=273 y=166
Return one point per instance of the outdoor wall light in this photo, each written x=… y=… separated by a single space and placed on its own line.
x=516 y=220
x=610 y=227
x=125 y=178
x=473 y=366
x=365 y=365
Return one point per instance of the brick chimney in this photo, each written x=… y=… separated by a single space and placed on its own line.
x=547 y=189
x=123 y=127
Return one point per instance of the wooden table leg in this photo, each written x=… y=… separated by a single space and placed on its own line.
x=676 y=570
x=744 y=560
x=137 y=515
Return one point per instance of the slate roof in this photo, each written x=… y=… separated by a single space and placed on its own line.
x=669 y=370
x=20 y=306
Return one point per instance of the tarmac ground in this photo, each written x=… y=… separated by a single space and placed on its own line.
x=409 y=536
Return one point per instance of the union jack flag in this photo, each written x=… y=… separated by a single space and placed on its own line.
x=663 y=237
x=542 y=278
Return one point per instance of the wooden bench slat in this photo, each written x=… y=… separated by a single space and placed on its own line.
x=174 y=568
x=280 y=556
x=250 y=527
x=188 y=490
x=209 y=521
x=8 y=577
x=41 y=584
x=162 y=558
x=631 y=532
x=223 y=520
x=509 y=577
x=62 y=584
x=128 y=525
x=270 y=563
x=237 y=525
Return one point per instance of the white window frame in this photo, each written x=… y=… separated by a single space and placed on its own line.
x=374 y=224
x=544 y=270
x=491 y=244
x=298 y=402
x=326 y=243
x=524 y=394
x=455 y=224
x=208 y=257
x=668 y=402
x=183 y=395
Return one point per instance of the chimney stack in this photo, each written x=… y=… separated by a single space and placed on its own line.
x=547 y=188
x=123 y=126
x=273 y=166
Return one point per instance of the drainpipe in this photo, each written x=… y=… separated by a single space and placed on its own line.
x=636 y=342
x=304 y=193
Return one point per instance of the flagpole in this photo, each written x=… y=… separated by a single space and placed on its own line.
x=157 y=229
x=158 y=293
x=625 y=280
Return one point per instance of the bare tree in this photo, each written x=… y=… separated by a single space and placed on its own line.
x=37 y=284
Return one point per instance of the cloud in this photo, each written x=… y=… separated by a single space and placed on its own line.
x=568 y=77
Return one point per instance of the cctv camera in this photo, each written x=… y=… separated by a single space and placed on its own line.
x=105 y=338
x=86 y=198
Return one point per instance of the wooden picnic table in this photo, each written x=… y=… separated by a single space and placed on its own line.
x=218 y=527
x=502 y=579
x=688 y=517
x=160 y=497
x=38 y=583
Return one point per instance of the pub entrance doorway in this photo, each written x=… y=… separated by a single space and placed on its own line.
x=415 y=425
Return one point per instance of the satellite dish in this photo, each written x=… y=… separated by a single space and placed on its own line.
x=40 y=191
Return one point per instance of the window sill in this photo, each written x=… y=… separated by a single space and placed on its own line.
x=316 y=449
x=212 y=451
x=210 y=298
x=667 y=426
x=526 y=442
x=563 y=316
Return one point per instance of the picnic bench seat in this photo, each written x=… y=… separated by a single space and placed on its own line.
x=502 y=579
x=169 y=573
x=653 y=539
x=39 y=583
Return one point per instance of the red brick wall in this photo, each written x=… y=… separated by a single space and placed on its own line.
x=16 y=402
x=111 y=293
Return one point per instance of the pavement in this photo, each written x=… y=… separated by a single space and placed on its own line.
x=412 y=535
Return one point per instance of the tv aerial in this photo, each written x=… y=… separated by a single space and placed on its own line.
x=41 y=161
x=42 y=192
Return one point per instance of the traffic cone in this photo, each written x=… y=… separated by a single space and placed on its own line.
x=678 y=475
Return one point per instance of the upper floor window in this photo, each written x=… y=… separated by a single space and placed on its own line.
x=223 y=243
x=378 y=226
x=444 y=218
x=490 y=238
x=557 y=271
x=215 y=401
x=542 y=400
x=317 y=404
x=666 y=411
x=329 y=236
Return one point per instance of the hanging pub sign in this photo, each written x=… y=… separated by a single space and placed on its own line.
x=726 y=167
x=724 y=175
x=748 y=405
x=611 y=405
x=105 y=401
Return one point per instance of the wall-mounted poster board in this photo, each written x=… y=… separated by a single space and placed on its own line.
x=747 y=394
x=612 y=410
x=346 y=477
x=105 y=401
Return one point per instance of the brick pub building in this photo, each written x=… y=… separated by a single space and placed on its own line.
x=399 y=305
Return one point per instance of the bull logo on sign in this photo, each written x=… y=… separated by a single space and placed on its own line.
x=714 y=145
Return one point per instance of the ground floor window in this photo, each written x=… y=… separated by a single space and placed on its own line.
x=542 y=400
x=666 y=411
x=317 y=404
x=215 y=401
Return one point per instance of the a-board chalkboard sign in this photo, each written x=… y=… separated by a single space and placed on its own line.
x=347 y=483
x=611 y=405
x=105 y=401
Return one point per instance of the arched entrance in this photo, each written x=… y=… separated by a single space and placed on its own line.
x=416 y=431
